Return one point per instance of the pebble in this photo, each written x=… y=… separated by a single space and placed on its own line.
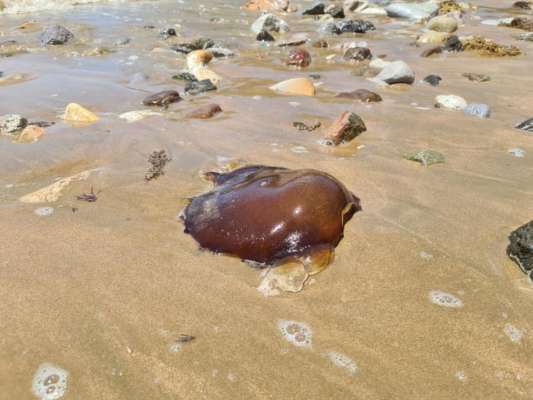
x=198 y=87
x=317 y=9
x=431 y=51
x=443 y=23
x=520 y=248
x=134 y=116
x=526 y=125
x=12 y=123
x=453 y=44
x=358 y=54
x=355 y=26
x=299 y=58
x=205 y=112
x=329 y=28
x=426 y=157
x=296 y=86
x=163 y=98
x=445 y=299
x=478 y=110
x=347 y=126
x=269 y=23
x=476 y=77
x=396 y=72
x=366 y=96
x=295 y=40
x=412 y=11
x=77 y=113
x=55 y=35
x=433 y=80
x=450 y=102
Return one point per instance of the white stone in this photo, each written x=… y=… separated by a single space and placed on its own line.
x=450 y=102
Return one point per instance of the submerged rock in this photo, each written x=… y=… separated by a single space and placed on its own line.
x=476 y=77
x=77 y=113
x=356 y=26
x=450 y=102
x=426 y=157
x=317 y=9
x=55 y=35
x=53 y=192
x=478 y=110
x=522 y=5
x=443 y=24
x=197 y=44
x=347 y=126
x=357 y=54
x=296 y=86
x=413 y=11
x=264 y=36
x=299 y=58
x=526 y=125
x=453 y=44
x=335 y=10
x=198 y=87
x=269 y=23
x=520 y=249
x=12 y=123
x=366 y=96
x=396 y=72
x=205 y=112
x=271 y=215
x=433 y=80
x=432 y=51
x=432 y=37
x=162 y=99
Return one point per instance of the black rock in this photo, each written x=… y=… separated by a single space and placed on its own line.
x=520 y=249
x=335 y=10
x=55 y=35
x=168 y=33
x=185 y=76
x=317 y=9
x=433 y=80
x=527 y=125
x=163 y=98
x=198 y=44
x=199 y=87
x=356 y=26
x=453 y=44
x=264 y=36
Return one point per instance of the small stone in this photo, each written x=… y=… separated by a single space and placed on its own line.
x=317 y=9
x=162 y=99
x=453 y=44
x=299 y=58
x=356 y=26
x=347 y=126
x=358 y=54
x=269 y=23
x=431 y=51
x=478 y=110
x=527 y=125
x=205 y=112
x=264 y=36
x=329 y=28
x=522 y=5
x=355 y=5
x=185 y=76
x=55 y=35
x=12 y=123
x=432 y=37
x=450 y=102
x=335 y=10
x=520 y=248
x=134 y=116
x=412 y=11
x=30 y=134
x=396 y=72
x=442 y=23
x=198 y=87
x=476 y=77
x=366 y=96
x=76 y=113
x=296 y=86
x=433 y=80
x=426 y=157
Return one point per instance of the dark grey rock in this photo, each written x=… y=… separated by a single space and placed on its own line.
x=198 y=87
x=163 y=98
x=356 y=26
x=335 y=10
x=527 y=125
x=433 y=80
x=453 y=44
x=520 y=248
x=264 y=36
x=317 y=9
x=55 y=35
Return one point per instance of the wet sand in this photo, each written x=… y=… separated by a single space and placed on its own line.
x=105 y=291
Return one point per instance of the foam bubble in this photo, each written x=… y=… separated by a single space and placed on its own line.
x=343 y=361
x=44 y=211
x=445 y=299
x=513 y=333
x=461 y=375
x=50 y=382
x=297 y=333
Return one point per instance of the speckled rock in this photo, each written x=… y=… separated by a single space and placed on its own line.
x=55 y=35
x=347 y=126
x=12 y=123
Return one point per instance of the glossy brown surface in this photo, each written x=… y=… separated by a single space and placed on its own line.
x=267 y=214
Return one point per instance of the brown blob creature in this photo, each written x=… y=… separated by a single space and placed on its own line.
x=268 y=215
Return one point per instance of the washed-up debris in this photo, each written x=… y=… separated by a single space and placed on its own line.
x=488 y=47
x=88 y=197
x=158 y=160
x=476 y=77
x=426 y=157
x=526 y=125
x=302 y=126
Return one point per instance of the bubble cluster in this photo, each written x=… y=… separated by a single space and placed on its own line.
x=513 y=333
x=50 y=382
x=445 y=299
x=343 y=361
x=297 y=333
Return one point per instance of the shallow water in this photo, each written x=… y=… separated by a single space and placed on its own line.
x=421 y=300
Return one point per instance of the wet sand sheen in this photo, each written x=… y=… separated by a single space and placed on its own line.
x=106 y=291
